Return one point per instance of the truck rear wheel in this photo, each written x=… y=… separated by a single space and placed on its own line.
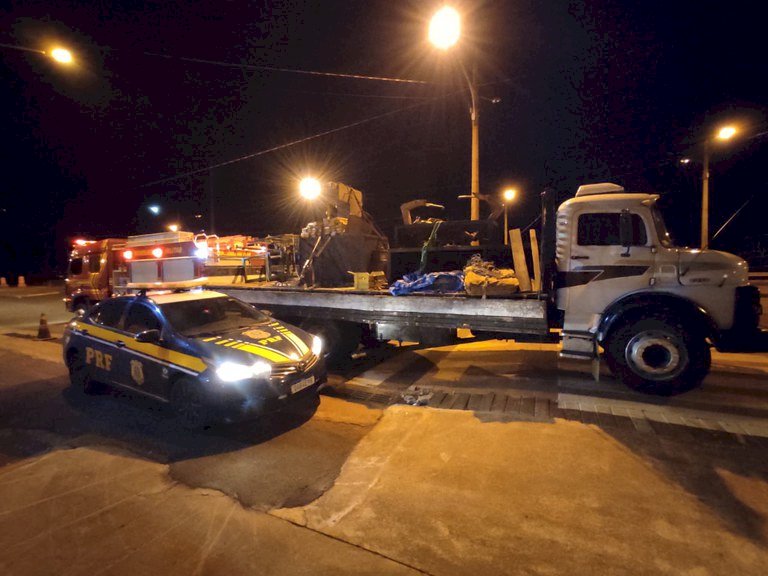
x=657 y=356
x=340 y=338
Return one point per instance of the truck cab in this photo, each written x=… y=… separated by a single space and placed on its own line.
x=92 y=264
x=653 y=307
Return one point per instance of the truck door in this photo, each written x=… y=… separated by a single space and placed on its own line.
x=603 y=265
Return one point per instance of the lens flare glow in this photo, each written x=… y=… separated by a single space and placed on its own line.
x=310 y=188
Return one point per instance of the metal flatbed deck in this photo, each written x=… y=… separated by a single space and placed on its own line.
x=524 y=313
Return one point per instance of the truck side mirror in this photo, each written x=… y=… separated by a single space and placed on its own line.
x=625 y=230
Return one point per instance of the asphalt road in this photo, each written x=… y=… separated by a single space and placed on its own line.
x=107 y=484
x=20 y=308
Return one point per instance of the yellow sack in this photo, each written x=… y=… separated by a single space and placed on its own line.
x=502 y=282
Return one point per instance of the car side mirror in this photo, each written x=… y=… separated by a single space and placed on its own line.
x=150 y=336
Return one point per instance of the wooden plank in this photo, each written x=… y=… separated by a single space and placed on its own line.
x=536 y=282
x=499 y=402
x=487 y=402
x=518 y=256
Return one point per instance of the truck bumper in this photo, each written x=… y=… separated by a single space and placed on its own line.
x=745 y=335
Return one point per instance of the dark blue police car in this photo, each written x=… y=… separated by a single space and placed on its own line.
x=211 y=356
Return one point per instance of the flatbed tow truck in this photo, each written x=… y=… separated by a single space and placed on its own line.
x=612 y=286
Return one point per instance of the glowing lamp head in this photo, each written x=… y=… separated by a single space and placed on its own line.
x=445 y=28
x=726 y=133
x=310 y=188
x=80 y=242
x=173 y=227
x=155 y=209
x=509 y=194
x=62 y=55
x=157 y=252
x=128 y=254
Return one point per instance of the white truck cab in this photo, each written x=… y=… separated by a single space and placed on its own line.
x=654 y=308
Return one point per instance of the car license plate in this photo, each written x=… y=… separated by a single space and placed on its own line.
x=301 y=384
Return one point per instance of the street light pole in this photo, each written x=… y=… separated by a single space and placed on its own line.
x=705 y=197
x=474 y=115
x=725 y=133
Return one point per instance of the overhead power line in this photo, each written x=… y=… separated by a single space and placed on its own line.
x=287 y=70
x=286 y=145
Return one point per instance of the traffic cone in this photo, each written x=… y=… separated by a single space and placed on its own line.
x=22 y=282
x=43 y=332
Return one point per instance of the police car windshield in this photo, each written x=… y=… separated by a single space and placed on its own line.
x=210 y=316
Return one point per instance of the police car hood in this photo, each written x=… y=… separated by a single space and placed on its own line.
x=273 y=342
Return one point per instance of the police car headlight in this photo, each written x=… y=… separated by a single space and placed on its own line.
x=317 y=345
x=232 y=371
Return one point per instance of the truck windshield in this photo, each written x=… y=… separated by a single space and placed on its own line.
x=210 y=316
x=661 y=228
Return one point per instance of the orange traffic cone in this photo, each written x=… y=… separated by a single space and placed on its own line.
x=43 y=332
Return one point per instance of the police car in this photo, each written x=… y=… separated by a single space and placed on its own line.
x=211 y=356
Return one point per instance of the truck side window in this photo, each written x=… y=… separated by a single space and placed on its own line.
x=94 y=263
x=108 y=313
x=141 y=318
x=602 y=229
x=76 y=266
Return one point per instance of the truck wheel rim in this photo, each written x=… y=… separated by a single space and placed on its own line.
x=655 y=354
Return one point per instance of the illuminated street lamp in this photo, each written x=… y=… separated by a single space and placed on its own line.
x=508 y=196
x=444 y=33
x=62 y=55
x=173 y=227
x=310 y=188
x=445 y=28
x=724 y=134
x=154 y=208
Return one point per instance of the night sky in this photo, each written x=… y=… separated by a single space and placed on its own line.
x=592 y=91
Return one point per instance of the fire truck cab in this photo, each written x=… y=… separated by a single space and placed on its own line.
x=92 y=264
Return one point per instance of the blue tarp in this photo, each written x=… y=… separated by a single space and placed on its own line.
x=432 y=282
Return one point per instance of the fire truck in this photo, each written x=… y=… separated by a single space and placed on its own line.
x=100 y=269
x=92 y=265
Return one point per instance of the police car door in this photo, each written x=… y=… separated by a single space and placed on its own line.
x=100 y=340
x=140 y=364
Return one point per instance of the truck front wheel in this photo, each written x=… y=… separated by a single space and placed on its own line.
x=657 y=356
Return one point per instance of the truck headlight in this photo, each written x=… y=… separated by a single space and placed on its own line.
x=233 y=371
x=317 y=345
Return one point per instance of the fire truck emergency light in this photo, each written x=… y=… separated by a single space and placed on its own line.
x=128 y=254
x=157 y=252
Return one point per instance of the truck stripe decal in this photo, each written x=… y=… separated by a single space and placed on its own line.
x=587 y=274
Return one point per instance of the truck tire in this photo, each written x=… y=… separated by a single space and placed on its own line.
x=340 y=338
x=657 y=356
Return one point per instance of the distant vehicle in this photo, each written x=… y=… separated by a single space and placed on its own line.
x=209 y=355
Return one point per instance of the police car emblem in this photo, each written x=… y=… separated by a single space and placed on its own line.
x=137 y=372
x=257 y=334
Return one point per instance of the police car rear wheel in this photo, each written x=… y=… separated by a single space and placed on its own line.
x=189 y=403
x=80 y=374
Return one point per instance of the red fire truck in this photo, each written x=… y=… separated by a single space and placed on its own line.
x=92 y=264
x=99 y=269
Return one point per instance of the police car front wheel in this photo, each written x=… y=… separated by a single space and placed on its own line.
x=80 y=374
x=189 y=402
